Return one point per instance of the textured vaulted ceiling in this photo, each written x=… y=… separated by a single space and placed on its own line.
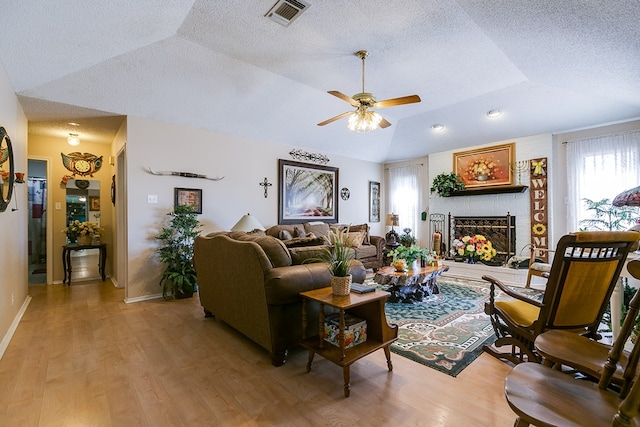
x=551 y=66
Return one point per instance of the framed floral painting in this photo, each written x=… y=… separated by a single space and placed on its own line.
x=485 y=167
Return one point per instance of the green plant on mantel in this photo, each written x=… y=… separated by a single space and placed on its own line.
x=446 y=183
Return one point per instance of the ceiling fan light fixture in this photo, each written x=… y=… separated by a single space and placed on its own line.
x=73 y=139
x=362 y=121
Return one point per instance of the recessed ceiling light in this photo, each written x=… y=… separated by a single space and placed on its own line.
x=73 y=124
x=494 y=113
x=437 y=127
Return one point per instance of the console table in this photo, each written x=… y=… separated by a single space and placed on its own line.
x=370 y=307
x=66 y=259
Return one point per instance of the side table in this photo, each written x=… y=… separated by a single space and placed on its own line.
x=66 y=259
x=370 y=307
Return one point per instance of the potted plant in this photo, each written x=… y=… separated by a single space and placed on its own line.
x=446 y=183
x=406 y=257
x=338 y=257
x=407 y=239
x=176 y=252
x=607 y=217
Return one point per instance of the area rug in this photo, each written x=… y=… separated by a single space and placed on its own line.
x=447 y=330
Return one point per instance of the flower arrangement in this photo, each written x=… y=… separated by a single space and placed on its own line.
x=77 y=229
x=481 y=169
x=65 y=179
x=475 y=247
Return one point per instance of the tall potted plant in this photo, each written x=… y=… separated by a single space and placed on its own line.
x=176 y=252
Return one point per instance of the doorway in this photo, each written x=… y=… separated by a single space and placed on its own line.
x=37 y=221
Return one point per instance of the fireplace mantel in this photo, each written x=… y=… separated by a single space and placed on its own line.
x=491 y=190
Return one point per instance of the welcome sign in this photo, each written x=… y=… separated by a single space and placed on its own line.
x=539 y=206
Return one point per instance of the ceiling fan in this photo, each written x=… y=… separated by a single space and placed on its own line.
x=363 y=120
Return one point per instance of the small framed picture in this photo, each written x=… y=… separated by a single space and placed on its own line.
x=94 y=203
x=188 y=196
x=374 y=201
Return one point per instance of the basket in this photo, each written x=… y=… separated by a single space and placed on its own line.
x=341 y=285
x=85 y=240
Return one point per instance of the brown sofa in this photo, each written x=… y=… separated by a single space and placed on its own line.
x=251 y=283
x=295 y=237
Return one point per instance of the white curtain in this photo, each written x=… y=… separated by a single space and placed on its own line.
x=600 y=168
x=404 y=195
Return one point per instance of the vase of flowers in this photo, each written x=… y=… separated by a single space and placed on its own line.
x=474 y=248
x=83 y=232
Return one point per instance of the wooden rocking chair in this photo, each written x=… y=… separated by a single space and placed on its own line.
x=585 y=269
x=609 y=363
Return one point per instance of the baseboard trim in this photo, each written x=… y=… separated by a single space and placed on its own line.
x=142 y=298
x=14 y=325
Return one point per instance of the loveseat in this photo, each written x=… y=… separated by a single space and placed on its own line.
x=303 y=238
x=251 y=283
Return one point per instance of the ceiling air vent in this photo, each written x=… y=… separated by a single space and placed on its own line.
x=284 y=12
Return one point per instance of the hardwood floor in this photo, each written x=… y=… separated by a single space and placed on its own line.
x=82 y=357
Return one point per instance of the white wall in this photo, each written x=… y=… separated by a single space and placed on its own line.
x=243 y=162
x=13 y=224
x=517 y=204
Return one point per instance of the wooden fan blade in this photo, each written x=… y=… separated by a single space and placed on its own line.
x=344 y=97
x=384 y=123
x=397 y=101
x=333 y=119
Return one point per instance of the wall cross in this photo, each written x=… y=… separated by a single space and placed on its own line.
x=266 y=184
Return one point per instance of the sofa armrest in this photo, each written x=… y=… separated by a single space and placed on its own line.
x=283 y=284
x=380 y=243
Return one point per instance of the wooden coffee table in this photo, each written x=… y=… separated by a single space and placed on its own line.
x=370 y=307
x=410 y=286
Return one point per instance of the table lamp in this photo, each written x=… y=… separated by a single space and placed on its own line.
x=392 y=236
x=247 y=223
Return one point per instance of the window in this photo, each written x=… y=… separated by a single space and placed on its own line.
x=600 y=168
x=404 y=195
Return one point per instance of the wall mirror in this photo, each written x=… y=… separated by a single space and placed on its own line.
x=6 y=169
x=83 y=200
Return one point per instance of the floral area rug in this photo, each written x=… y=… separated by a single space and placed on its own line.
x=447 y=330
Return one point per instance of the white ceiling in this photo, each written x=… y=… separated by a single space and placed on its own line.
x=550 y=65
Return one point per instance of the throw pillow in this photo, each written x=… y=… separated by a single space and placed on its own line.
x=354 y=239
x=298 y=242
x=299 y=232
x=284 y=235
x=320 y=229
x=364 y=228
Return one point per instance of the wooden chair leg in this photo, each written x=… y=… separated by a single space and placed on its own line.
x=520 y=423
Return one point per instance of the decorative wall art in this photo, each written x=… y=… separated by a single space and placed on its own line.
x=309 y=157
x=94 y=203
x=374 y=201
x=306 y=192
x=188 y=196
x=486 y=166
x=81 y=163
x=183 y=174
x=6 y=169
x=345 y=193
x=539 y=206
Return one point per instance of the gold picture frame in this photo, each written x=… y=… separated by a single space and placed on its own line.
x=485 y=167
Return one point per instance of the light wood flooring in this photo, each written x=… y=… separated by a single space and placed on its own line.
x=82 y=357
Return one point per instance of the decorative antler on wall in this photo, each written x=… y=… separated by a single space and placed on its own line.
x=185 y=174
